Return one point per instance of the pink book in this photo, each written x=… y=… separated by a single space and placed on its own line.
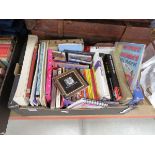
x=49 y=75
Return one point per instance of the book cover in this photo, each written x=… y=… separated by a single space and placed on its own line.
x=101 y=79
x=71 y=47
x=131 y=56
x=125 y=90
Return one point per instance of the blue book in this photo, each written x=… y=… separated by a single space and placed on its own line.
x=40 y=69
x=71 y=47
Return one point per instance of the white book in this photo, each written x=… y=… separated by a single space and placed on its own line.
x=58 y=97
x=20 y=93
x=101 y=82
x=43 y=76
x=105 y=50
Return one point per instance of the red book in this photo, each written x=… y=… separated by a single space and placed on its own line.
x=31 y=73
x=5 y=50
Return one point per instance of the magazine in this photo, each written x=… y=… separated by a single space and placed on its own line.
x=131 y=55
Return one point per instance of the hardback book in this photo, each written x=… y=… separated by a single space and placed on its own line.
x=131 y=56
x=101 y=79
x=20 y=93
x=70 y=83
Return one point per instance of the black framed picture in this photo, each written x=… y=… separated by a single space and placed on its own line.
x=70 y=82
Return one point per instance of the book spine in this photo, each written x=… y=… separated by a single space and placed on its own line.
x=94 y=84
x=58 y=93
x=49 y=76
x=42 y=52
x=112 y=78
x=31 y=74
x=33 y=100
x=43 y=77
x=90 y=88
x=54 y=90
x=86 y=90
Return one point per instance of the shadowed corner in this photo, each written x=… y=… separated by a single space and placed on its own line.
x=4 y=117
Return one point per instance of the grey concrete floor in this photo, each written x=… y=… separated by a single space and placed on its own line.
x=82 y=127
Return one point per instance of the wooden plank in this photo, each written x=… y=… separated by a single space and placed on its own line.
x=137 y=35
x=104 y=32
x=76 y=29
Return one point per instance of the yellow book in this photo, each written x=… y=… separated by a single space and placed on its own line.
x=90 y=92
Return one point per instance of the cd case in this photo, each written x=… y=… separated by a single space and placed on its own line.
x=70 y=83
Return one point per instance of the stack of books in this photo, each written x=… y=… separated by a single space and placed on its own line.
x=6 y=47
x=59 y=74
